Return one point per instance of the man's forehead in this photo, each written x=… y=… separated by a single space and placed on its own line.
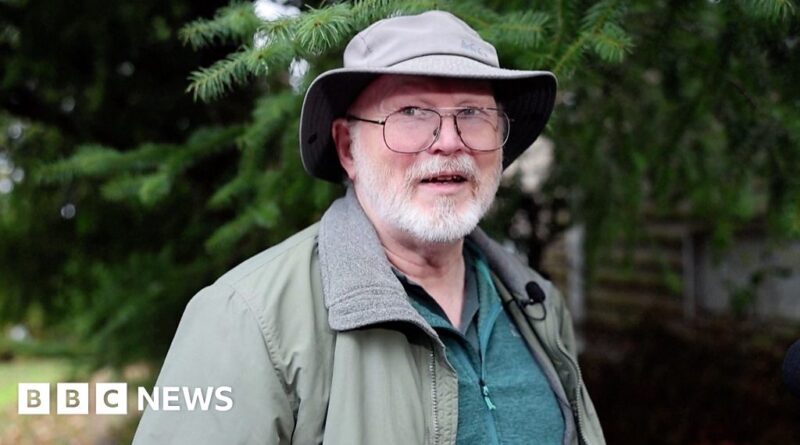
x=389 y=86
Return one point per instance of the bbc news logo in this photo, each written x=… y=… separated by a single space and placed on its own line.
x=112 y=398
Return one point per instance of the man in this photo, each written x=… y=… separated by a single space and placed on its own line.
x=394 y=320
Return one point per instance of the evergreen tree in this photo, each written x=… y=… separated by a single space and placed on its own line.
x=683 y=104
x=90 y=271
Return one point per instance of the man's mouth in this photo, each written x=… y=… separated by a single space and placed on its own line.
x=444 y=179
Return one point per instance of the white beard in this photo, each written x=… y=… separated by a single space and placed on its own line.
x=393 y=203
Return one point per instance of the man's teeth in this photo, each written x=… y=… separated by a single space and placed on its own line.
x=451 y=178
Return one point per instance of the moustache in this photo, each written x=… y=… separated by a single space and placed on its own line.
x=462 y=165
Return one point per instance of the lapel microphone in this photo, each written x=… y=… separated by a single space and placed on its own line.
x=535 y=296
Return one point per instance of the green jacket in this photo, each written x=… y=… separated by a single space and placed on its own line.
x=319 y=344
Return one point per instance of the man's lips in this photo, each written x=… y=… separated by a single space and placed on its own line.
x=445 y=178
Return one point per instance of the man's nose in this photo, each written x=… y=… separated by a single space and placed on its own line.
x=447 y=140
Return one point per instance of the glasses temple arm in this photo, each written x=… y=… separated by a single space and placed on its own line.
x=351 y=117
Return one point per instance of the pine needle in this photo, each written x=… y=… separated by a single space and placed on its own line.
x=324 y=29
x=611 y=43
x=236 y=23
x=525 y=30
x=770 y=9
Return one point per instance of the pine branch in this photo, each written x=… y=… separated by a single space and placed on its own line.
x=121 y=187
x=236 y=23
x=213 y=82
x=145 y=173
x=305 y=36
x=264 y=213
x=523 y=30
x=202 y=143
x=475 y=14
x=241 y=184
x=155 y=187
x=607 y=42
x=612 y=43
x=599 y=14
x=90 y=160
x=320 y=30
x=281 y=29
x=100 y=161
x=366 y=12
x=238 y=68
x=571 y=56
x=269 y=119
x=533 y=60
x=229 y=233
x=770 y=9
x=561 y=22
x=147 y=189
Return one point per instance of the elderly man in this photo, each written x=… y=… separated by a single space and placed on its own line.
x=394 y=320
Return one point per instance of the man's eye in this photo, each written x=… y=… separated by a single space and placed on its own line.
x=410 y=111
x=472 y=111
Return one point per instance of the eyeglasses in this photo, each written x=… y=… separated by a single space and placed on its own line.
x=415 y=129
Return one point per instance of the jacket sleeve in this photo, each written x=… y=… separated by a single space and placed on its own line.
x=219 y=343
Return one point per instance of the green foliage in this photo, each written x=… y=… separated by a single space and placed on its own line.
x=678 y=106
x=235 y=24
x=612 y=43
x=211 y=83
x=523 y=30
x=321 y=31
x=145 y=172
x=691 y=124
x=770 y=9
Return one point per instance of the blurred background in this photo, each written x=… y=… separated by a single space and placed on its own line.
x=146 y=147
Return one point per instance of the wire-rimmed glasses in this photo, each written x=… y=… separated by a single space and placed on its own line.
x=416 y=129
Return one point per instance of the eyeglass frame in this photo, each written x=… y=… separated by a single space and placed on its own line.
x=509 y=120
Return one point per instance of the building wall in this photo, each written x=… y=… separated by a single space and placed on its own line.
x=754 y=277
x=672 y=271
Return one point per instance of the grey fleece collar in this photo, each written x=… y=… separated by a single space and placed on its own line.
x=357 y=280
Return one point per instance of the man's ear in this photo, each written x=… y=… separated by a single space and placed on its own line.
x=343 y=140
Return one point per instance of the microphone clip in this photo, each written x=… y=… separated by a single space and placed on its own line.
x=535 y=296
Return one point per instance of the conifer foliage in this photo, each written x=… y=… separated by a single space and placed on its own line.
x=681 y=104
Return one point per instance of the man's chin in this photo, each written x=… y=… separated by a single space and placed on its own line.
x=439 y=203
x=435 y=226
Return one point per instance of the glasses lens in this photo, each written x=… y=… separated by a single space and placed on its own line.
x=483 y=129
x=410 y=130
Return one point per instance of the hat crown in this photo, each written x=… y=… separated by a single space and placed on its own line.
x=397 y=39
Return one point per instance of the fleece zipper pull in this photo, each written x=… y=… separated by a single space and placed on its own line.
x=486 y=397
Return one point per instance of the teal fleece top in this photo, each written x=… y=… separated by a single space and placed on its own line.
x=496 y=372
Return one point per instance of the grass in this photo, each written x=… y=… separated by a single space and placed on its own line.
x=28 y=371
x=54 y=429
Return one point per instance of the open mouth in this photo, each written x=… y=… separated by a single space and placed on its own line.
x=444 y=179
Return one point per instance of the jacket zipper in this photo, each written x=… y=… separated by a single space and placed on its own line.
x=483 y=348
x=434 y=394
x=575 y=405
x=486 y=397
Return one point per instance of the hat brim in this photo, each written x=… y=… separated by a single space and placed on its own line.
x=527 y=97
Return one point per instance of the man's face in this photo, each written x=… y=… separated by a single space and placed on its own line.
x=436 y=195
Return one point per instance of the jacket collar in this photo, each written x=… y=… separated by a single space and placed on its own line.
x=357 y=280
